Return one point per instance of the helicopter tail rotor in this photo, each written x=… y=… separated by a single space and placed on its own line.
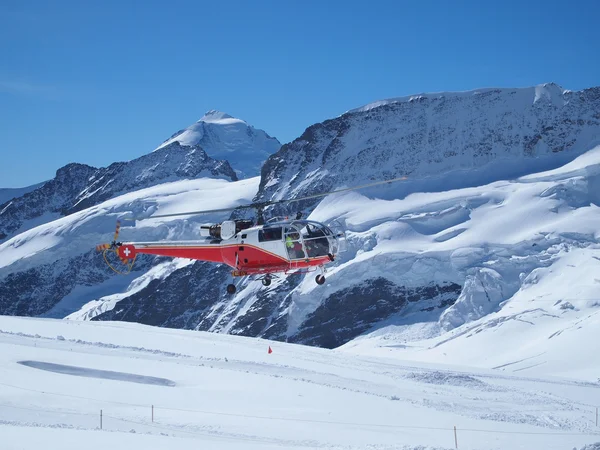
x=117 y=229
x=114 y=247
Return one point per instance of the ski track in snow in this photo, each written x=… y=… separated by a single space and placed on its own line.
x=96 y=373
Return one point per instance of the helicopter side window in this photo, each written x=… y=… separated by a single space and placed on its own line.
x=270 y=234
x=293 y=243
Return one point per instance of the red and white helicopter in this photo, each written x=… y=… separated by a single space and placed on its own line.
x=279 y=245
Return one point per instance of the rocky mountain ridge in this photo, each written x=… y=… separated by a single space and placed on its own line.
x=440 y=141
x=79 y=186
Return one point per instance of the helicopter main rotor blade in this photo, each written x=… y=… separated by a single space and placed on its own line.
x=353 y=188
x=188 y=213
x=262 y=205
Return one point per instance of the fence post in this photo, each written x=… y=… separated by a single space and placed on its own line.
x=100 y=419
x=152 y=413
x=596 y=416
x=455 y=438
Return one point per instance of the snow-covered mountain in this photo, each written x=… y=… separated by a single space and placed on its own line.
x=78 y=186
x=7 y=194
x=433 y=261
x=480 y=214
x=388 y=271
x=532 y=301
x=53 y=268
x=224 y=137
x=440 y=141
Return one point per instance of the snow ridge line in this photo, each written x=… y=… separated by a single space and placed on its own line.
x=105 y=345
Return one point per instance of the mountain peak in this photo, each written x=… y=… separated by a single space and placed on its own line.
x=224 y=137
x=214 y=116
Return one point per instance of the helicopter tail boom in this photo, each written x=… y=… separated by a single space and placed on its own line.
x=244 y=259
x=190 y=250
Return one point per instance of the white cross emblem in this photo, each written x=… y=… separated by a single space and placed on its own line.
x=127 y=252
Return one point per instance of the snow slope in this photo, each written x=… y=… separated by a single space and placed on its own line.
x=530 y=252
x=32 y=261
x=225 y=137
x=162 y=388
x=436 y=261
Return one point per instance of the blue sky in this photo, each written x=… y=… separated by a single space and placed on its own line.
x=99 y=82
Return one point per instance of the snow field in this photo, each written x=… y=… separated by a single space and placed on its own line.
x=230 y=393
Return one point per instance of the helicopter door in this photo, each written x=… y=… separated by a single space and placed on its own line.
x=270 y=238
x=293 y=243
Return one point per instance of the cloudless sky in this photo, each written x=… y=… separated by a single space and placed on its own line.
x=102 y=81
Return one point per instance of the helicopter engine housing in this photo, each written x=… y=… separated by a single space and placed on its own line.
x=226 y=229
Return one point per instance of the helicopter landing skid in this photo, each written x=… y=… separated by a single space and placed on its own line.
x=319 y=279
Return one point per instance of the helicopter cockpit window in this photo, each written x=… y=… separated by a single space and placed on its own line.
x=315 y=240
x=270 y=234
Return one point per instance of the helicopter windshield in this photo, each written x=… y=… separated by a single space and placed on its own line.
x=315 y=239
x=309 y=238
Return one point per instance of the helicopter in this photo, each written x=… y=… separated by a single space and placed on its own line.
x=280 y=245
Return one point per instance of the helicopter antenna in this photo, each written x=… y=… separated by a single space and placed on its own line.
x=260 y=219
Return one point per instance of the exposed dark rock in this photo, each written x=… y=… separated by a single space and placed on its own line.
x=181 y=300
x=352 y=311
x=35 y=291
